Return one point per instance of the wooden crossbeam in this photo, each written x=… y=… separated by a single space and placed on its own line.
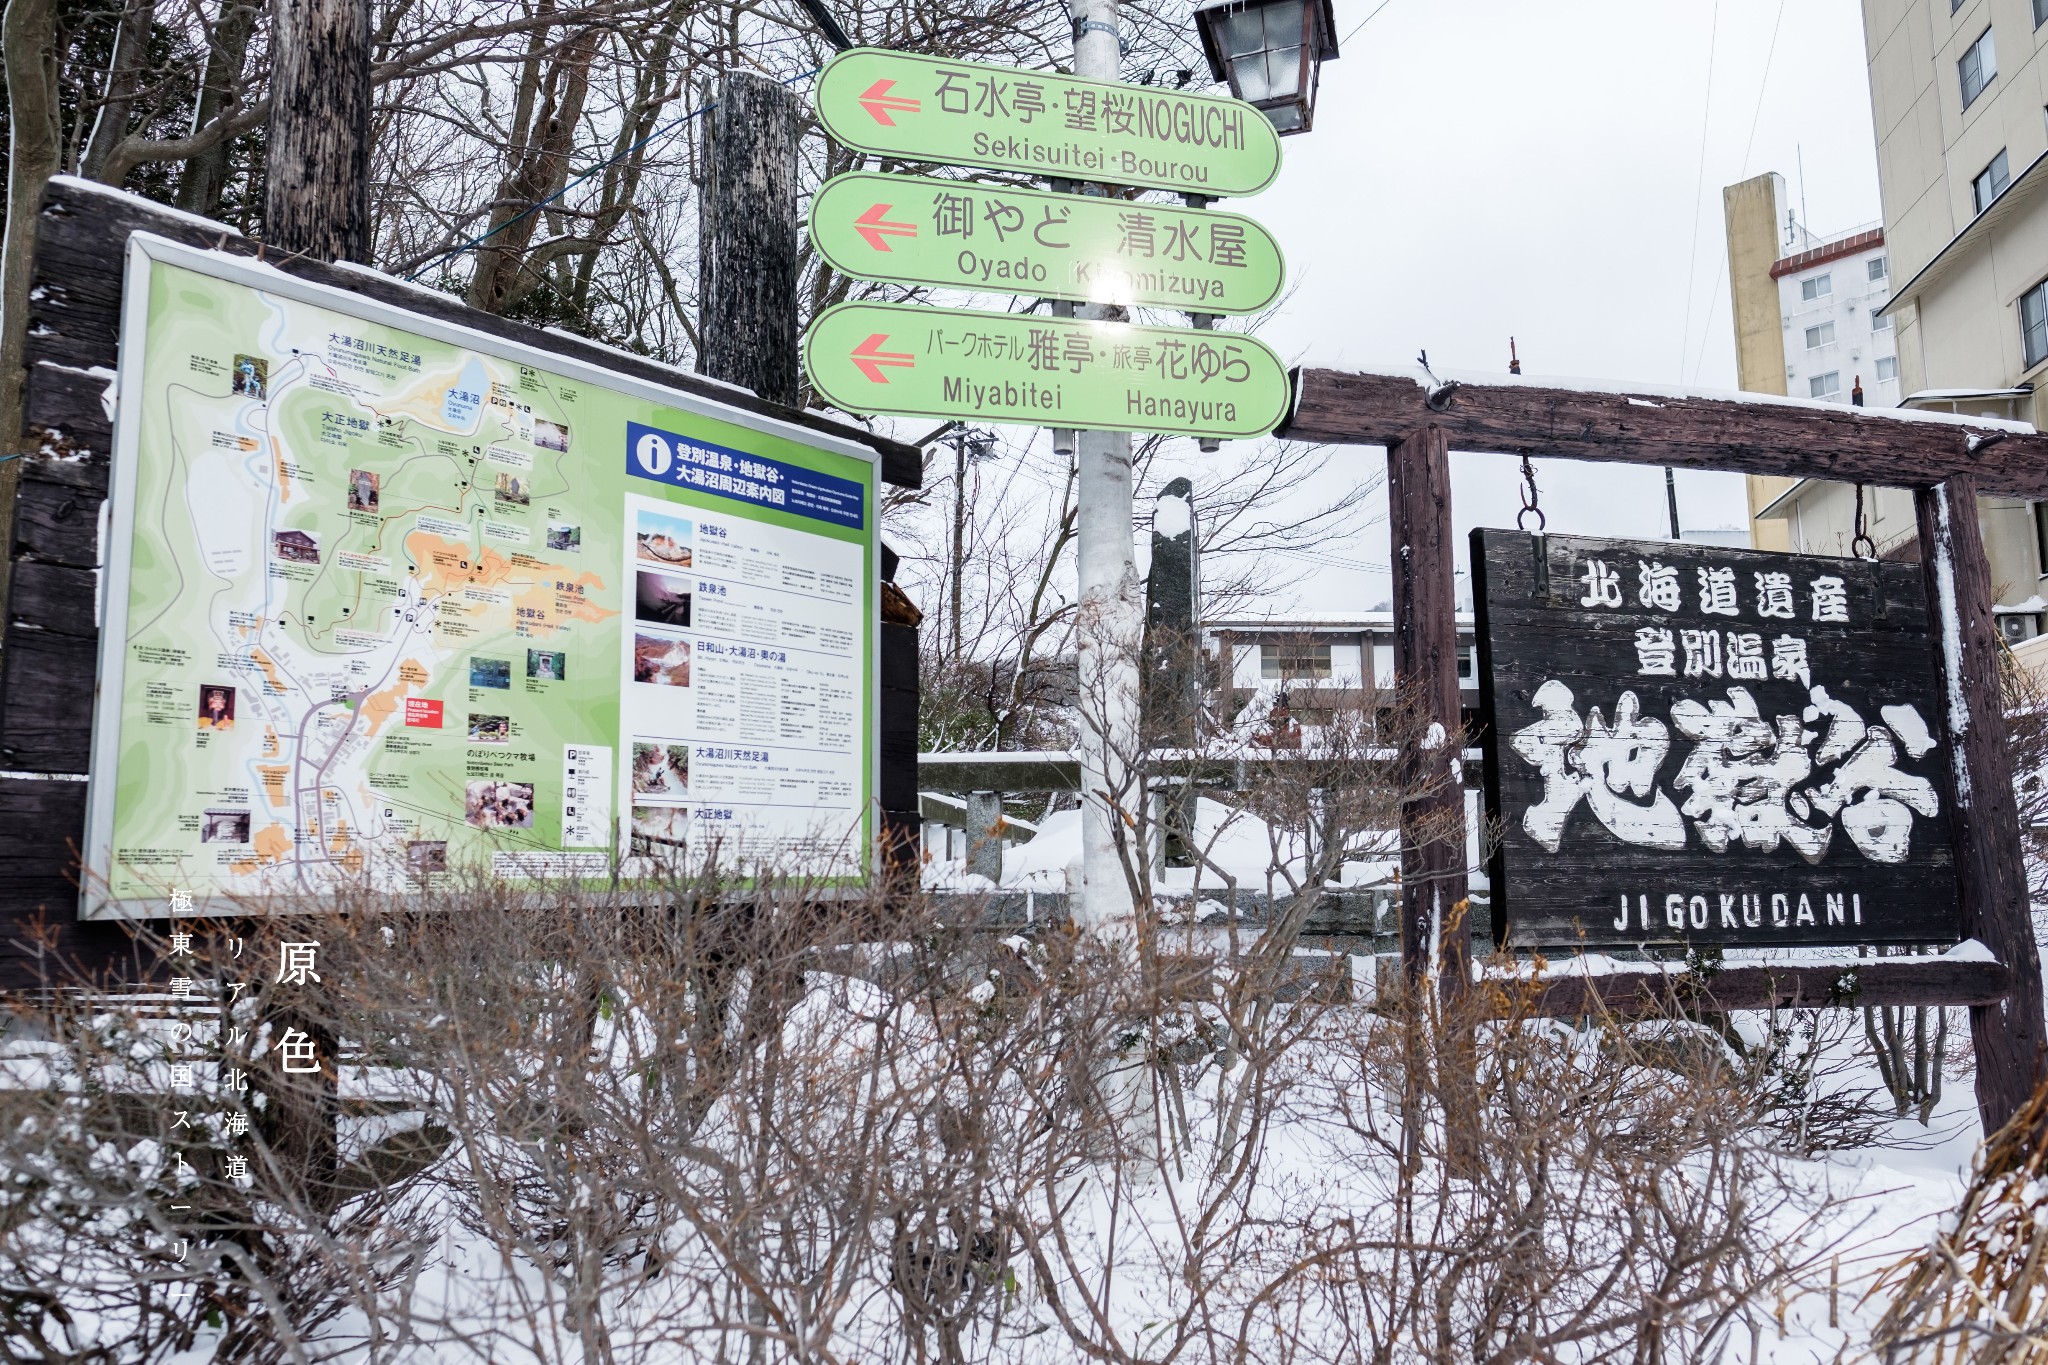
x=1740 y=433
x=1865 y=982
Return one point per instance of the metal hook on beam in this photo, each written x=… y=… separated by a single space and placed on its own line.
x=1437 y=397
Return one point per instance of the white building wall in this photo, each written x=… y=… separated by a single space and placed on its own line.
x=1244 y=665
x=1857 y=347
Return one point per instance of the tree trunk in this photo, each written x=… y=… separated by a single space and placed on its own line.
x=548 y=111
x=749 y=306
x=28 y=36
x=316 y=189
x=316 y=201
x=206 y=175
x=117 y=97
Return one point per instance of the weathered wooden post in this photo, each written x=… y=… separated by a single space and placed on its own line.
x=1984 y=828
x=1433 y=882
x=316 y=202
x=748 y=238
x=1172 y=654
x=316 y=176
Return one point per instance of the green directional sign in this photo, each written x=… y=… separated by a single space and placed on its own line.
x=964 y=113
x=913 y=230
x=1054 y=372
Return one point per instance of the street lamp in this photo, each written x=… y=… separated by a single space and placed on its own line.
x=1271 y=52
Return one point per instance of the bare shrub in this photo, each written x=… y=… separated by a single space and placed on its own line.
x=787 y=1122
x=1979 y=1292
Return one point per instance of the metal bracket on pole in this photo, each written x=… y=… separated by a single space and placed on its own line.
x=1082 y=26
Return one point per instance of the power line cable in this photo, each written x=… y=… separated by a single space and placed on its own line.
x=1699 y=191
x=1366 y=20
x=1699 y=361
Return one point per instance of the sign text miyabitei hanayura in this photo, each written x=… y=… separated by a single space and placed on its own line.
x=958 y=234
x=915 y=108
x=1009 y=367
x=1710 y=746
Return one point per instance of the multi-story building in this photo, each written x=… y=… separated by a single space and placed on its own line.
x=1959 y=97
x=1810 y=323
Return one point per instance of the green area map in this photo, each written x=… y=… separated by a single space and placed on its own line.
x=392 y=606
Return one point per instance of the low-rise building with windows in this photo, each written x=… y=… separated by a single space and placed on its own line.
x=1324 y=661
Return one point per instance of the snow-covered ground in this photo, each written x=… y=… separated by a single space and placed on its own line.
x=1241 y=845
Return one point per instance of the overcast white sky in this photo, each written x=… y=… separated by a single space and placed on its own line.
x=1482 y=169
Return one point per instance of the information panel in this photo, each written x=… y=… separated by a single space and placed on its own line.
x=388 y=600
x=1693 y=745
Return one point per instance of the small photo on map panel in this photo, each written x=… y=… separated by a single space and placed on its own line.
x=563 y=536
x=426 y=855
x=664 y=539
x=492 y=804
x=513 y=490
x=661 y=659
x=297 y=547
x=550 y=435
x=660 y=768
x=489 y=729
x=546 y=665
x=489 y=672
x=216 y=708
x=252 y=376
x=662 y=600
x=224 y=827
x=362 y=490
x=660 y=832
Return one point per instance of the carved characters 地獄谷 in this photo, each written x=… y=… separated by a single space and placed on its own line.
x=1749 y=780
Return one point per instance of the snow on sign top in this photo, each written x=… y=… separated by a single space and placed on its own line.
x=1704 y=746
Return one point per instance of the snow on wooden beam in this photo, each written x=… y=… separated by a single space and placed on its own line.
x=1743 y=433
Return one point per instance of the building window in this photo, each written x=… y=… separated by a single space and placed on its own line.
x=1880 y=322
x=1990 y=182
x=1887 y=368
x=1294 y=661
x=1979 y=67
x=2034 y=324
x=1877 y=265
x=2040 y=13
x=1825 y=385
x=1816 y=287
x=2041 y=536
x=1823 y=335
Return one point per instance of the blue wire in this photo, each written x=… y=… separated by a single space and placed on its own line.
x=568 y=185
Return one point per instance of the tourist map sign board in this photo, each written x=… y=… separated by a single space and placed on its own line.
x=916 y=108
x=387 y=599
x=1062 y=372
x=961 y=235
x=1689 y=744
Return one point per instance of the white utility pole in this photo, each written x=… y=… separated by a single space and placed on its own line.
x=1112 y=614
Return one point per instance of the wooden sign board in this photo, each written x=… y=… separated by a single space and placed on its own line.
x=1694 y=745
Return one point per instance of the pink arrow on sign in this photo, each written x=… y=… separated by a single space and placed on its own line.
x=875 y=226
x=869 y=358
x=877 y=100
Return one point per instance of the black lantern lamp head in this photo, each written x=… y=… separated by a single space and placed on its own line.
x=1271 y=52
